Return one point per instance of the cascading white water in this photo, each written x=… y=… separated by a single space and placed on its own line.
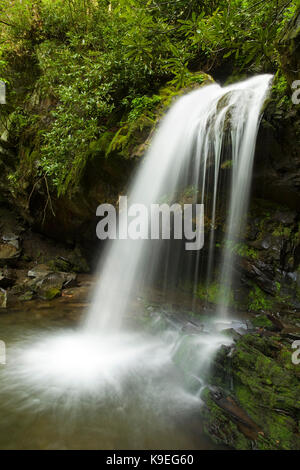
x=188 y=143
x=130 y=377
x=247 y=109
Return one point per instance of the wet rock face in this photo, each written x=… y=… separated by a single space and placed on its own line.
x=257 y=404
x=277 y=160
x=10 y=247
x=31 y=265
x=268 y=261
x=40 y=282
x=50 y=285
x=226 y=421
x=9 y=251
x=7 y=278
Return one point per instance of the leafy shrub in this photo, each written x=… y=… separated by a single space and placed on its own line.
x=87 y=68
x=258 y=301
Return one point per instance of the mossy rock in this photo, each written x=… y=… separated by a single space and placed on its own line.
x=260 y=376
x=219 y=426
x=133 y=137
x=267 y=386
x=262 y=321
x=28 y=295
x=51 y=293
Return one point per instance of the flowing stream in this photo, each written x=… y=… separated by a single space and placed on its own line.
x=105 y=384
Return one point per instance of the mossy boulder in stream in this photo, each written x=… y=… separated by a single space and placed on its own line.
x=50 y=286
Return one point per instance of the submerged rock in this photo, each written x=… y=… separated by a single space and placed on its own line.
x=232 y=333
x=28 y=295
x=7 y=278
x=39 y=271
x=9 y=251
x=51 y=285
x=40 y=282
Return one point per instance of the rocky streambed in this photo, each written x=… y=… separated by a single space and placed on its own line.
x=249 y=393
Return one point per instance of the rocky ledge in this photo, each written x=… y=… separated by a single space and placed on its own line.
x=250 y=387
x=33 y=266
x=253 y=397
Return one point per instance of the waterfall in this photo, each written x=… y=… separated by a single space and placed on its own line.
x=120 y=382
x=203 y=130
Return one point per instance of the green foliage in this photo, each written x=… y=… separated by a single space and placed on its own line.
x=84 y=76
x=265 y=381
x=281 y=92
x=141 y=104
x=245 y=31
x=262 y=321
x=281 y=231
x=258 y=301
x=178 y=65
x=241 y=249
x=227 y=165
x=215 y=293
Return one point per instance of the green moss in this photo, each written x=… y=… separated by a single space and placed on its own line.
x=218 y=425
x=281 y=231
x=76 y=264
x=144 y=114
x=128 y=137
x=52 y=293
x=285 y=359
x=241 y=249
x=262 y=321
x=281 y=430
x=27 y=296
x=101 y=145
x=266 y=386
x=280 y=90
x=143 y=104
x=227 y=165
x=215 y=293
